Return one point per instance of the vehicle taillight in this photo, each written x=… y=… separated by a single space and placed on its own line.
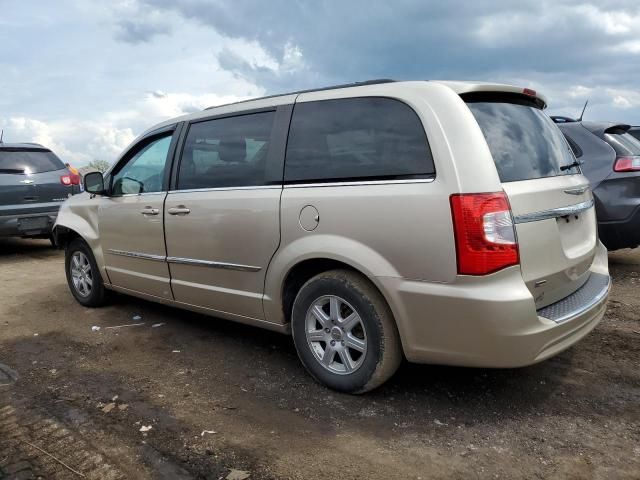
x=70 y=179
x=484 y=232
x=627 y=164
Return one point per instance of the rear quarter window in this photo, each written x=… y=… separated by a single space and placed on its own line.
x=29 y=161
x=524 y=142
x=356 y=138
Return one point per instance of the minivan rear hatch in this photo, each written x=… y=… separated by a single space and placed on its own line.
x=551 y=202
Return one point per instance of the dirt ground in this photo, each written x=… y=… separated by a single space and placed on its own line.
x=220 y=397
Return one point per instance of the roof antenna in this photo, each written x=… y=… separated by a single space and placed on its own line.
x=582 y=114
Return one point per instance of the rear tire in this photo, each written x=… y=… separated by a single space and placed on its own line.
x=83 y=275
x=344 y=332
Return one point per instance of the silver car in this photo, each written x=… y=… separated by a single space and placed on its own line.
x=441 y=222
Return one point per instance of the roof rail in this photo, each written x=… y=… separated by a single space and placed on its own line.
x=298 y=92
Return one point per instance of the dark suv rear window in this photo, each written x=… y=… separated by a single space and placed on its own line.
x=356 y=138
x=623 y=143
x=35 y=160
x=524 y=142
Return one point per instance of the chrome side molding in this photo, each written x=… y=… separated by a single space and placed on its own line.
x=207 y=263
x=144 y=256
x=185 y=261
x=554 y=212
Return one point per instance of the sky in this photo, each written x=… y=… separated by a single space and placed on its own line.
x=86 y=77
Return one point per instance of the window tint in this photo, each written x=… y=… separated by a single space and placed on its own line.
x=226 y=152
x=144 y=172
x=356 y=138
x=623 y=143
x=34 y=160
x=524 y=142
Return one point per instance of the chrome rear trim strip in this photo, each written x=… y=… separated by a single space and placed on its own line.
x=207 y=263
x=554 y=212
x=359 y=183
x=143 y=256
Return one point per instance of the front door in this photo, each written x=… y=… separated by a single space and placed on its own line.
x=131 y=219
x=222 y=220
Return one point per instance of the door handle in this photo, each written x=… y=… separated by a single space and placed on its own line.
x=150 y=211
x=181 y=210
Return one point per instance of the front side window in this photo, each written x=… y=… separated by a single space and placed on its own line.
x=144 y=172
x=524 y=142
x=356 y=138
x=226 y=152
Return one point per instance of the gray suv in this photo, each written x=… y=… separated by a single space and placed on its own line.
x=33 y=184
x=610 y=157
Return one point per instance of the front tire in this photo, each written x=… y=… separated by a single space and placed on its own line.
x=344 y=332
x=83 y=275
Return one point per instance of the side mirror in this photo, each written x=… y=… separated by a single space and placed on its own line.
x=94 y=183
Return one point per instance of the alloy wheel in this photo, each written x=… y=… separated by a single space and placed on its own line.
x=336 y=334
x=81 y=274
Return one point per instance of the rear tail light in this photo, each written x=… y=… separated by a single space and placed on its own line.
x=484 y=231
x=70 y=179
x=627 y=164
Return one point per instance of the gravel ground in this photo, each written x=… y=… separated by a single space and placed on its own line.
x=220 y=398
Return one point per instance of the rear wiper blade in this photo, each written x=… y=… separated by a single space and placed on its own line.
x=11 y=170
x=570 y=166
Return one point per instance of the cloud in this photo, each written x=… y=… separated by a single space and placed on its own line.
x=131 y=31
x=109 y=70
x=75 y=142
x=80 y=141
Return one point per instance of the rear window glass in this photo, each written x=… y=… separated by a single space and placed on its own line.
x=28 y=161
x=623 y=143
x=356 y=138
x=524 y=142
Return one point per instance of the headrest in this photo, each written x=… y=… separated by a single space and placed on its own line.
x=232 y=150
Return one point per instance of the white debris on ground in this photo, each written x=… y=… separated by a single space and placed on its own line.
x=145 y=428
x=127 y=325
x=238 y=475
x=95 y=328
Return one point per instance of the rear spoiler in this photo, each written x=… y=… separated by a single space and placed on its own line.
x=528 y=98
x=620 y=128
x=23 y=149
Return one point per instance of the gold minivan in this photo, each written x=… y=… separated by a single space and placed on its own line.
x=441 y=222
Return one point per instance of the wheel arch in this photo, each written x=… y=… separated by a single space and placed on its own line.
x=286 y=281
x=70 y=226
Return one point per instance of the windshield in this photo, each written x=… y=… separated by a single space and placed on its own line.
x=623 y=143
x=28 y=161
x=524 y=142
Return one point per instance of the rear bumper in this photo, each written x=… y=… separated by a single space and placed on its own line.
x=491 y=321
x=621 y=234
x=10 y=224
